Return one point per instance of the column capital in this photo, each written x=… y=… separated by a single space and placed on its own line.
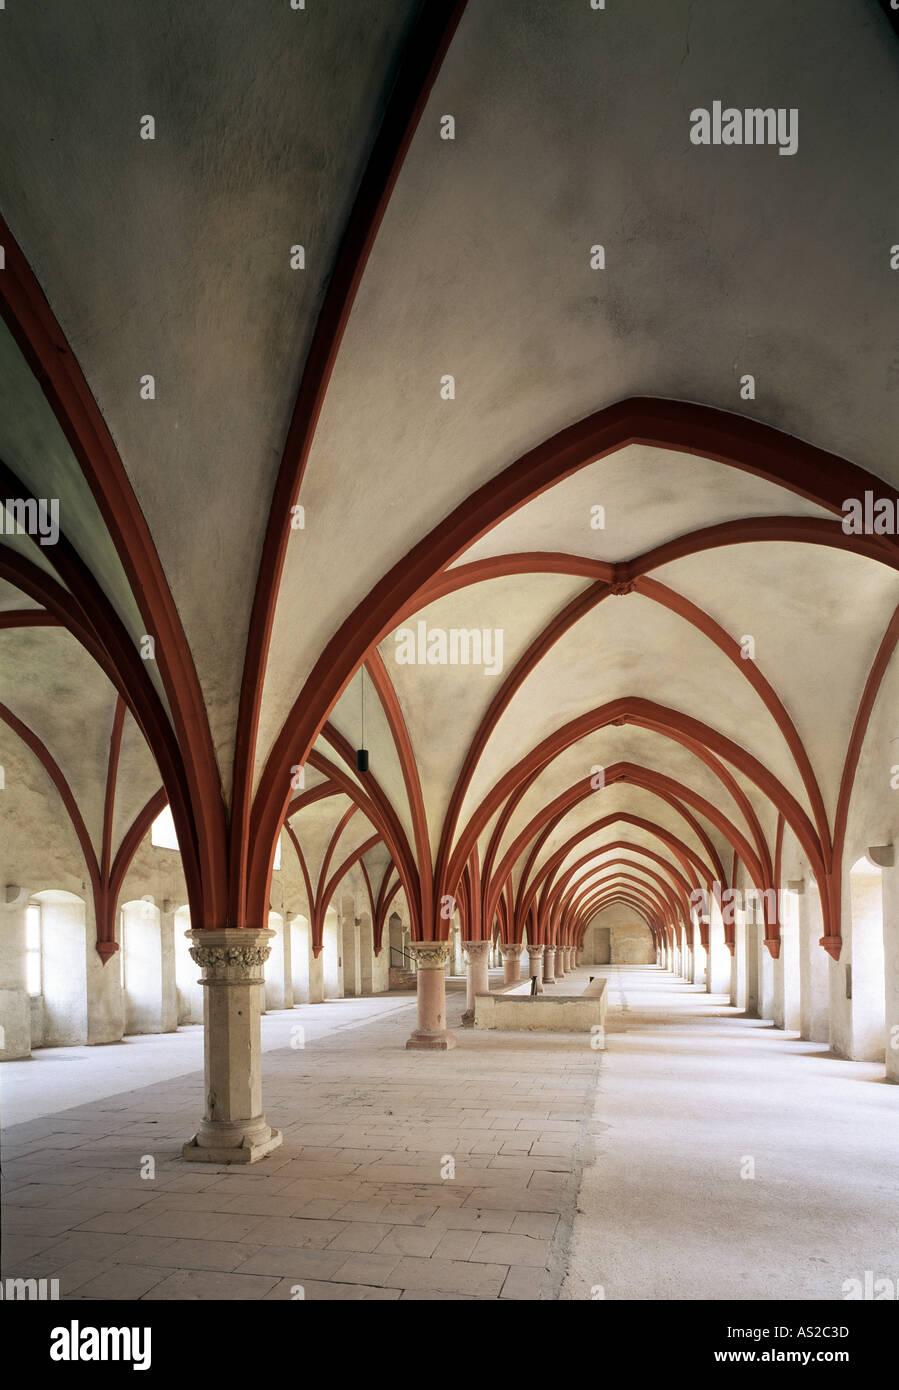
x=510 y=948
x=430 y=955
x=231 y=954
x=537 y=950
x=475 y=949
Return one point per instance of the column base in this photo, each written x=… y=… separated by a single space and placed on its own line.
x=431 y=1042
x=247 y=1147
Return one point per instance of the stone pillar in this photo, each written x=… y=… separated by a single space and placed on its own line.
x=890 y=891
x=549 y=962
x=316 y=973
x=751 y=949
x=814 y=968
x=458 y=967
x=511 y=963
x=560 y=965
x=571 y=962
x=15 y=1003
x=535 y=960
x=478 y=982
x=432 y=1034
x=233 y=1128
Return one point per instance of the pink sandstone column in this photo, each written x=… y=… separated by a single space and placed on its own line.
x=549 y=961
x=476 y=955
x=432 y=1034
x=511 y=963
x=535 y=957
x=561 y=963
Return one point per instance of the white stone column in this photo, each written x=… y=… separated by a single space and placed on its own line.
x=765 y=977
x=535 y=963
x=431 y=1034
x=458 y=966
x=15 y=1004
x=316 y=974
x=738 y=962
x=478 y=981
x=751 y=950
x=549 y=964
x=890 y=889
x=233 y=1128
x=814 y=969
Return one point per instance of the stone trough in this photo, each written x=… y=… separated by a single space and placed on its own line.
x=513 y=1008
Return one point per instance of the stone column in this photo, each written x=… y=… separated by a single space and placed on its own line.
x=15 y=1003
x=890 y=892
x=458 y=966
x=535 y=959
x=233 y=1128
x=511 y=963
x=560 y=965
x=432 y=1034
x=570 y=961
x=549 y=964
x=478 y=982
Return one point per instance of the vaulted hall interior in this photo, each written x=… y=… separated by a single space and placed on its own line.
x=449 y=598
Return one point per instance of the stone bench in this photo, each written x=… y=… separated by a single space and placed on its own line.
x=512 y=1008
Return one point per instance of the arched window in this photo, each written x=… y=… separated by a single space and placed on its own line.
x=33 y=962
x=162 y=831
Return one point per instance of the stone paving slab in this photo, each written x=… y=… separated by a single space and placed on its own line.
x=356 y=1203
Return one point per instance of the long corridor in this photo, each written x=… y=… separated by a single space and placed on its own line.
x=516 y=1166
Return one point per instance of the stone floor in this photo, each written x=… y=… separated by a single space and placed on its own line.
x=402 y=1174
x=514 y=1167
x=694 y=1100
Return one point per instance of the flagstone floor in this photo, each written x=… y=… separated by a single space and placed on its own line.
x=402 y=1174
x=704 y=1155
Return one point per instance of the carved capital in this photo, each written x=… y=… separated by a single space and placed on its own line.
x=510 y=950
x=536 y=950
x=475 y=950
x=430 y=955
x=231 y=955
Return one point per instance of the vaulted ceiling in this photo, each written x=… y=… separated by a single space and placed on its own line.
x=688 y=635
